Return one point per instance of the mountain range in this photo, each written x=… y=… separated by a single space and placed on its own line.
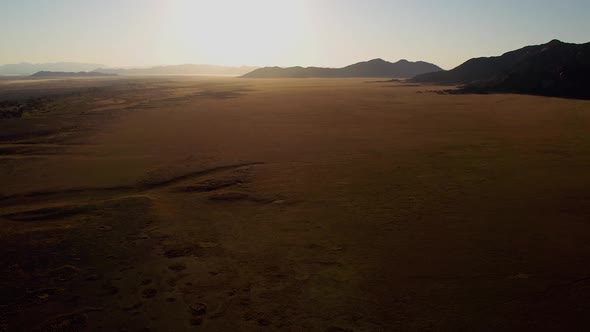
x=43 y=74
x=372 y=68
x=553 y=69
x=186 y=69
x=26 y=69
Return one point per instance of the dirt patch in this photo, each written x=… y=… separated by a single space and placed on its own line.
x=49 y=213
x=183 y=252
x=213 y=184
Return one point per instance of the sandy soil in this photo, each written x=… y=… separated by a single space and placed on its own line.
x=179 y=204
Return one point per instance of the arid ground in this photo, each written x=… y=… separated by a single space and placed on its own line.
x=225 y=204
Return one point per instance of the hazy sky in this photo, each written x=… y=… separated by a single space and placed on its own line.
x=280 y=32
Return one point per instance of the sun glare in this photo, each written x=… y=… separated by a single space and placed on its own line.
x=235 y=32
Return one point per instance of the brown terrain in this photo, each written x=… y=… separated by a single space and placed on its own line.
x=225 y=204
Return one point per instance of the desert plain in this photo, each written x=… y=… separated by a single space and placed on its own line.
x=226 y=204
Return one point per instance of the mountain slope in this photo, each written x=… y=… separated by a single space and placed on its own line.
x=553 y=69
x=186 y=69
x=372 y=68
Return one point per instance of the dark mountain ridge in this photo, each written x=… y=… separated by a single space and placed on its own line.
x=372 y=68
x=553 y=69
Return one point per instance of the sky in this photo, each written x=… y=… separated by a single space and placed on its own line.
x=330 y=33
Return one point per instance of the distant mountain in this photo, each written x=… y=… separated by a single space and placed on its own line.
x=372 y=68
x=553 y=69
x=26 y=69
x=187 y=69
x=70 y=74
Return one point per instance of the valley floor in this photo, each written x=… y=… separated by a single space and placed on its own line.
x=225 y=204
